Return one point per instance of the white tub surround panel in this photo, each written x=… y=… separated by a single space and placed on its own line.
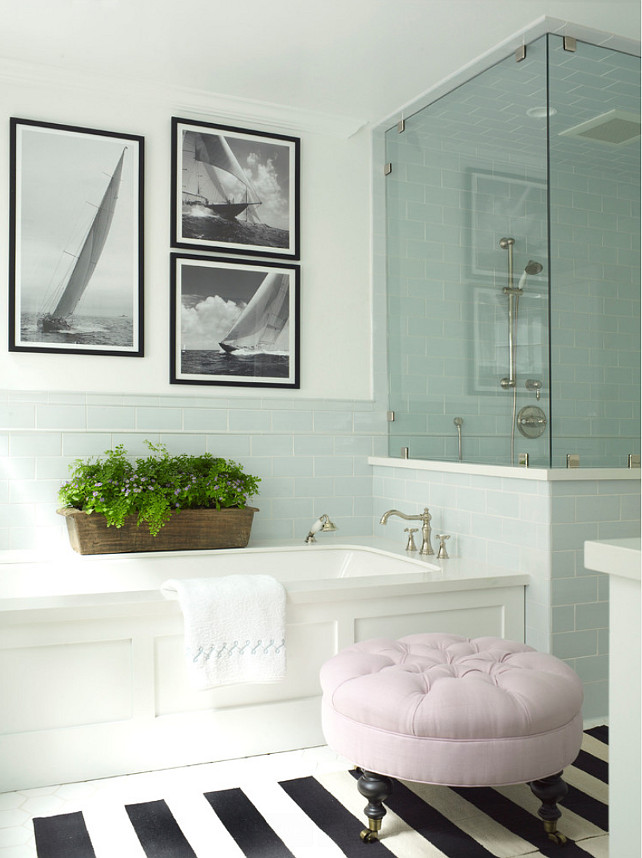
x=94 y=680
x=620 y=560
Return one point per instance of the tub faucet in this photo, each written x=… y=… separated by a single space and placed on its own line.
x=424 y=518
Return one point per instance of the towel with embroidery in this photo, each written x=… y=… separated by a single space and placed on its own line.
x=234 y=628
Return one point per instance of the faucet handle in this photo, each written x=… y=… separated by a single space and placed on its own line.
x=411 y=539
x=442 y=554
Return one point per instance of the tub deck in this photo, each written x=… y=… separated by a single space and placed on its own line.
x=91 y=654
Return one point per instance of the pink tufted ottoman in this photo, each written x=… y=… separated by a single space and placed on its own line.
x=444 y=709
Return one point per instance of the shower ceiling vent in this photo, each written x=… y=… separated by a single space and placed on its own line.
x=616 y=128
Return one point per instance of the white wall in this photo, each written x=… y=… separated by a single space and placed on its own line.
x=335 y=233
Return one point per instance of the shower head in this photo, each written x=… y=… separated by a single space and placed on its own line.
x=533 y=267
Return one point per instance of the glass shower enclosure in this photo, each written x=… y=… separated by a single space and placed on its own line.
x=513 y=264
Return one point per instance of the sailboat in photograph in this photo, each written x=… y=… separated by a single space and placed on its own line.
x=58 y=320
x=263 y=324
x=205 y=156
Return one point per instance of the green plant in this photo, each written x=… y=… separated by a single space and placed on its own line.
x=154 y=487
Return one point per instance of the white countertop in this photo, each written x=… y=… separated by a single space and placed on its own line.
x=31 y=579
x=614 y=556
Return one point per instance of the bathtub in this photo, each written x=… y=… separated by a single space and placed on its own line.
x=91 y=654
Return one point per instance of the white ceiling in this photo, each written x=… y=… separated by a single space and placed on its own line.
x=351 y=58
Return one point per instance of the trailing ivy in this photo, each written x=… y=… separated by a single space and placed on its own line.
x=155 y=487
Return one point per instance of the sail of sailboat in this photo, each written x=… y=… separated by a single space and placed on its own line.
x=84 y=266
x=205 y=156
x=263 y=326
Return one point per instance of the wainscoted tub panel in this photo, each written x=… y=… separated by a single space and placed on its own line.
x=54 y=686
x=115 y=698
x=308 y=646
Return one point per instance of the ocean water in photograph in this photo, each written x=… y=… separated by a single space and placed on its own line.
x=245 y=364
x=212 y=228
x=115 y=331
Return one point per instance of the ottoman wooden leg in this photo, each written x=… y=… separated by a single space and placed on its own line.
x=549 y=791
x=376 y=788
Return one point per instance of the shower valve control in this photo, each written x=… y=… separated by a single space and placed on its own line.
x=531 y=421
x=534 y=384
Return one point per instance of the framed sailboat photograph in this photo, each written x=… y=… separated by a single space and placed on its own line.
x=76 y=254
x=234 y=190
x=234 y=322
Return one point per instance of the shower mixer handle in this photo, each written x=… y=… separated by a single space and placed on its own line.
x=534 y=384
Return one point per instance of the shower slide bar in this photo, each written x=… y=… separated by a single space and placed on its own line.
x=513 y=297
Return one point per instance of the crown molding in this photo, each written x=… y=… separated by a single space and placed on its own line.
x=200 y=104
x=539 y=27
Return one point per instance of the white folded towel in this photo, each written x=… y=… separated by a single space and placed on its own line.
x=234 y=628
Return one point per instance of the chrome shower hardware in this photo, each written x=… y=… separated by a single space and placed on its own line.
x=424 y=518
x=513 y=298
x=442 y=554
x=510 y=381
x=410 y=545
x=531 y=421
x=514 y=294
x=534 y=384
x=322 y=524
x=458 y=421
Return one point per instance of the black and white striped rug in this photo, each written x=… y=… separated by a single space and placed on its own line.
x=321 y=817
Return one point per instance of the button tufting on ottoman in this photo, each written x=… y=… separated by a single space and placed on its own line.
x=444 y=709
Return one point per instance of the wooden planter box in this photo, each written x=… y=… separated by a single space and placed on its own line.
x=187 y=530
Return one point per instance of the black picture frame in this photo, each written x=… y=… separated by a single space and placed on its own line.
x=234 y=190
x=234 y=322
x=76 y=240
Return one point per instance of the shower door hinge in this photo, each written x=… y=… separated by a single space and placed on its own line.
x=387 y=169
x=391 y=416
x=401 y=125
x=520 y=54
x=572 y=460
x=570 y=43
x=634 y=460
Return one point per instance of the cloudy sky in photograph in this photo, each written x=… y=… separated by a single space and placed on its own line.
x=212 y=298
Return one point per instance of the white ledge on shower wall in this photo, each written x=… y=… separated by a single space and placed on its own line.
x=508 y=472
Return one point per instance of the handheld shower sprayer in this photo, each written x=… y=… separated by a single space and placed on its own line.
x=531 y=268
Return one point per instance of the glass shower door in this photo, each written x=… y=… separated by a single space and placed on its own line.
x=467 y=271
x=595 y=253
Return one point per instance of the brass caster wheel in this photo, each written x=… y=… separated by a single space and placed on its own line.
x=558 y=838
x=368 y=836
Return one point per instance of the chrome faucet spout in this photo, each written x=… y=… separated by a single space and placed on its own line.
x=424 y=518
x=386 y=516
